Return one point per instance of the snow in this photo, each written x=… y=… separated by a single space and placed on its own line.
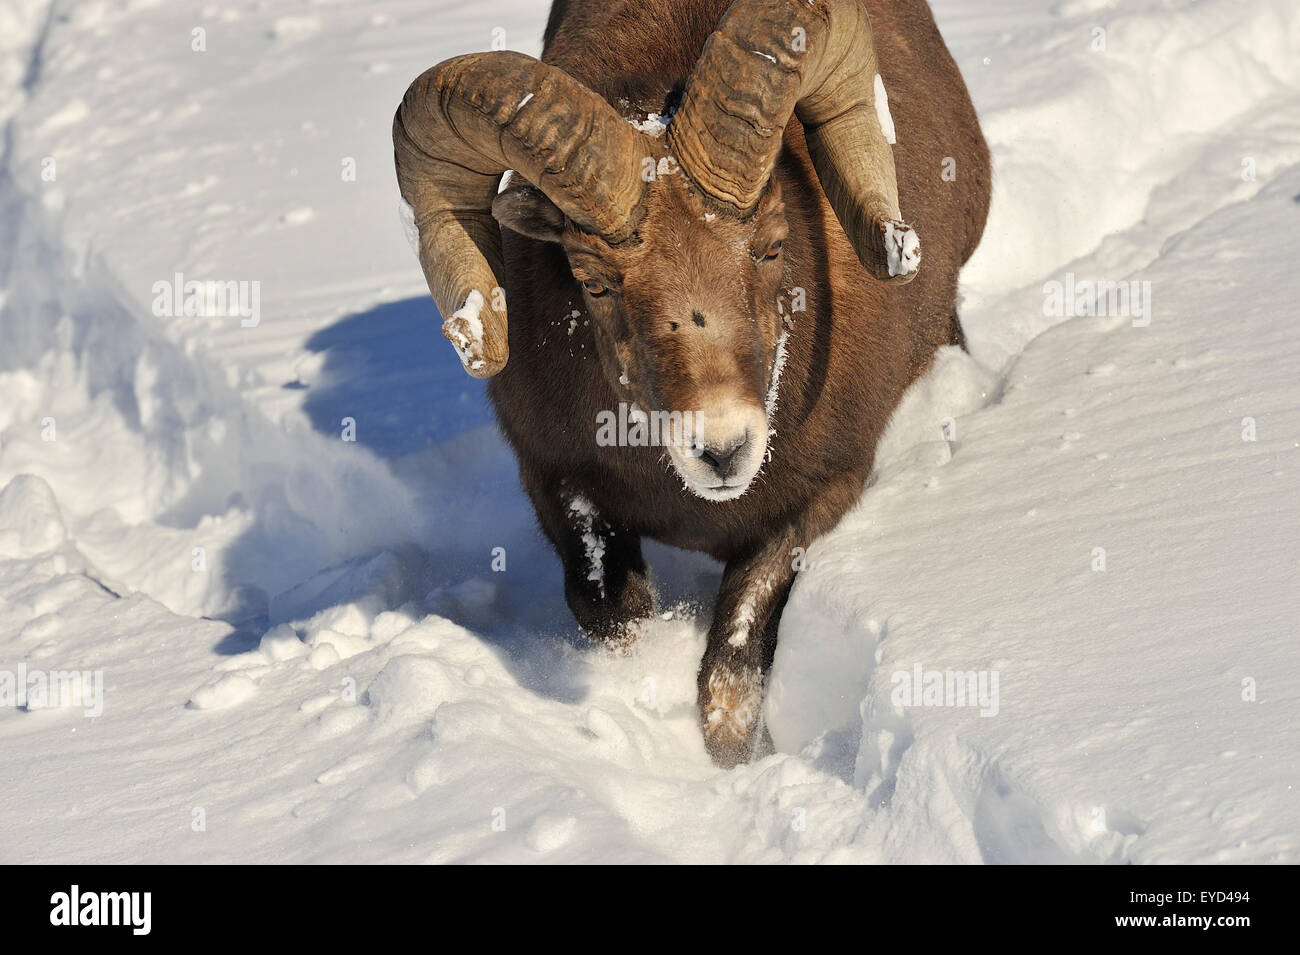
x=295 y=559
x=882 y=112
x=902 y=249
x=774 y=376
x=406 y=216
x=465 y=330
x=30 y=522
x=583 y=514
x=653 y=125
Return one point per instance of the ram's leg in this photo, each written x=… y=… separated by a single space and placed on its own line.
x=742 y=641
x=742 y=637
x=606 y=582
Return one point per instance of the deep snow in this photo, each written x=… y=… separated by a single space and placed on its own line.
x=308 y=651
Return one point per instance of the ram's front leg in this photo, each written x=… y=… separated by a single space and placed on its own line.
x=742 y=641
x=606 y=583
x=742 y=637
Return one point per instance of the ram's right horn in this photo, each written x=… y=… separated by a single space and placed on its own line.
x=460 y=126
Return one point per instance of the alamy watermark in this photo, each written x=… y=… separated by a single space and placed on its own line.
x=922 y=687
x=1075 y=297
x=208 y=299
x=77 y=907
x=53 y=689
x=632 y=427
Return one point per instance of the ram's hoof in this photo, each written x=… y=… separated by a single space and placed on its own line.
x=618 y=638
x=730 y=702
x=612 y=621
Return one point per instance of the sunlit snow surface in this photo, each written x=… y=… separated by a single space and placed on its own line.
x=278 y=544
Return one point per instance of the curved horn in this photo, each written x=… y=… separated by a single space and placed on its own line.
x=460 y=126
x=767 y=60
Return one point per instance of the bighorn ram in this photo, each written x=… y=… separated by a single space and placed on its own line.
x=704 y=217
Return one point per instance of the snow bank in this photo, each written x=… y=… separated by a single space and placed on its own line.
x=1098 y=118
x=1113 y=544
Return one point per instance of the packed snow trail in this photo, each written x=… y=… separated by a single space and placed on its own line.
x=306 y=650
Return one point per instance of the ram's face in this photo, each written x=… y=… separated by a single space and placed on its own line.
x=687 y=326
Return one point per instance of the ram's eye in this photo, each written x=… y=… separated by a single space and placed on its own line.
x=594 y=288
x=773 y=250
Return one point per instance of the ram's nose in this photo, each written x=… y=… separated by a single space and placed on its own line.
x=724 y=447
x=723 y=458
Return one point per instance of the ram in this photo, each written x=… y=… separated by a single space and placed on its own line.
x=695 y=211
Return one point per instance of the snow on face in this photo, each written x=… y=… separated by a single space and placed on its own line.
x=778 y=366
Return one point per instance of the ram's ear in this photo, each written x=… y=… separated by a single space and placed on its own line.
x=524 y=208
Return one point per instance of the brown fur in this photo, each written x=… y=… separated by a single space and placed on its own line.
x=851 y=354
